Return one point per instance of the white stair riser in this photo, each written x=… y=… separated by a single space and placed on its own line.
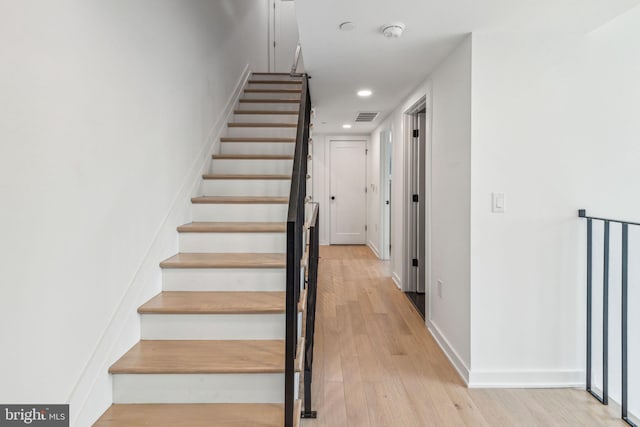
x=213 y=326
x=261 y=132
x=198 y=388
x=252 y=166
x=224 y=279
x=274 y=86
x=280 y=148
x=233 y=242
x=288 y=106
x=271 y=95
x=239 y=213
x=245 y=187
x=274 y=77
x=265 y=118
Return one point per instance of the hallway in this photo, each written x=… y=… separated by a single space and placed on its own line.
x=375 y=363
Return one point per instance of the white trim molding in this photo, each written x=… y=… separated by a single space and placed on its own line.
x=449 y=351
x=526 y=379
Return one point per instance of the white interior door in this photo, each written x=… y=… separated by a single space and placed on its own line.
x=348 y=198
x=284 y=35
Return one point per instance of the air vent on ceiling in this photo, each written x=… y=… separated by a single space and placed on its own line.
x=366 y=116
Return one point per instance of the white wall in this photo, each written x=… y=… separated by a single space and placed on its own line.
x=448 y=93
x=450 y=202
x=555 y=127
x=107 y=114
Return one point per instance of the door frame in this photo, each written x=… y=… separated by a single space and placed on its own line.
x=329 y=141
x=386 y=151
x=407 y=127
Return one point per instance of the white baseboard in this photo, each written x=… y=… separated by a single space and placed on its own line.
x=526 y=378
x=374 y=249
x=396 y=280
x=447 y=348
x=92 y=393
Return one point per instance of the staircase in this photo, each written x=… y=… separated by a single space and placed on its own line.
x=213 y=342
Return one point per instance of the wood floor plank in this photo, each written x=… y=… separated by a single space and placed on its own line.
x=202 y=357
x=244 y=200
x=406 y=378
x=261 y=125
x=193 y=415
x=252 y=156
x=233 y=227
x=225 y=260
x=215 y=303
x=246 y=176
x=257 y=139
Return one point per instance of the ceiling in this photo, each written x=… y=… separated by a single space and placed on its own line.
x=342 y=62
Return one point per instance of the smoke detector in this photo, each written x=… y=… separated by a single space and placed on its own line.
x=393 y=31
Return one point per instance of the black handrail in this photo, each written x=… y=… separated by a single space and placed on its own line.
x=312 y=291
x=295 y=248
x=604 y=399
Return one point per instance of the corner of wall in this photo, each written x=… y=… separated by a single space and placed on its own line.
x=373 y=248
x=92 y=393
x=461 y=368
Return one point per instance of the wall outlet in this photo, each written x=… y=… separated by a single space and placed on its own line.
x=440 y=288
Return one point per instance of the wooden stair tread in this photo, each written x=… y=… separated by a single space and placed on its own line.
x=261 y=125
x=265 y=73
x=266 y=112
x=275 y=82
x=245 y=176
x=245 y=200
x=202 y=357
x=225 y=260
x=194 y=415
x=252 y=156
x=273 y=90
x=233 y=227
x=269 y=101
x=215 y=303
x=254 y=139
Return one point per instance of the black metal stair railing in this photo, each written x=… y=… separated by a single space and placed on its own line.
x=604 y=397
x=312 y=292
x=296 y=236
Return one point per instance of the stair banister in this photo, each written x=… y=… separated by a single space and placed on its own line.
x=295 y=249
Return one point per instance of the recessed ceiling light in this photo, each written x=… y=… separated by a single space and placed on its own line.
x=346 y=126
x=347 y=26
x=364 y=93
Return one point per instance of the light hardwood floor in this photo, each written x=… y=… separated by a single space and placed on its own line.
x=375 y=363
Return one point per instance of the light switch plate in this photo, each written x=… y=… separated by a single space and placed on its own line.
x=498 y=203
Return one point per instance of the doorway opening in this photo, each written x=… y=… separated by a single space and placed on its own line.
x=416 y=260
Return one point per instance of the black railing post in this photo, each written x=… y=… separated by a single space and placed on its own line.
x=605 y=310
x=589 y=297
x=605 y=317
x=312 y=291
x=625 y=324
